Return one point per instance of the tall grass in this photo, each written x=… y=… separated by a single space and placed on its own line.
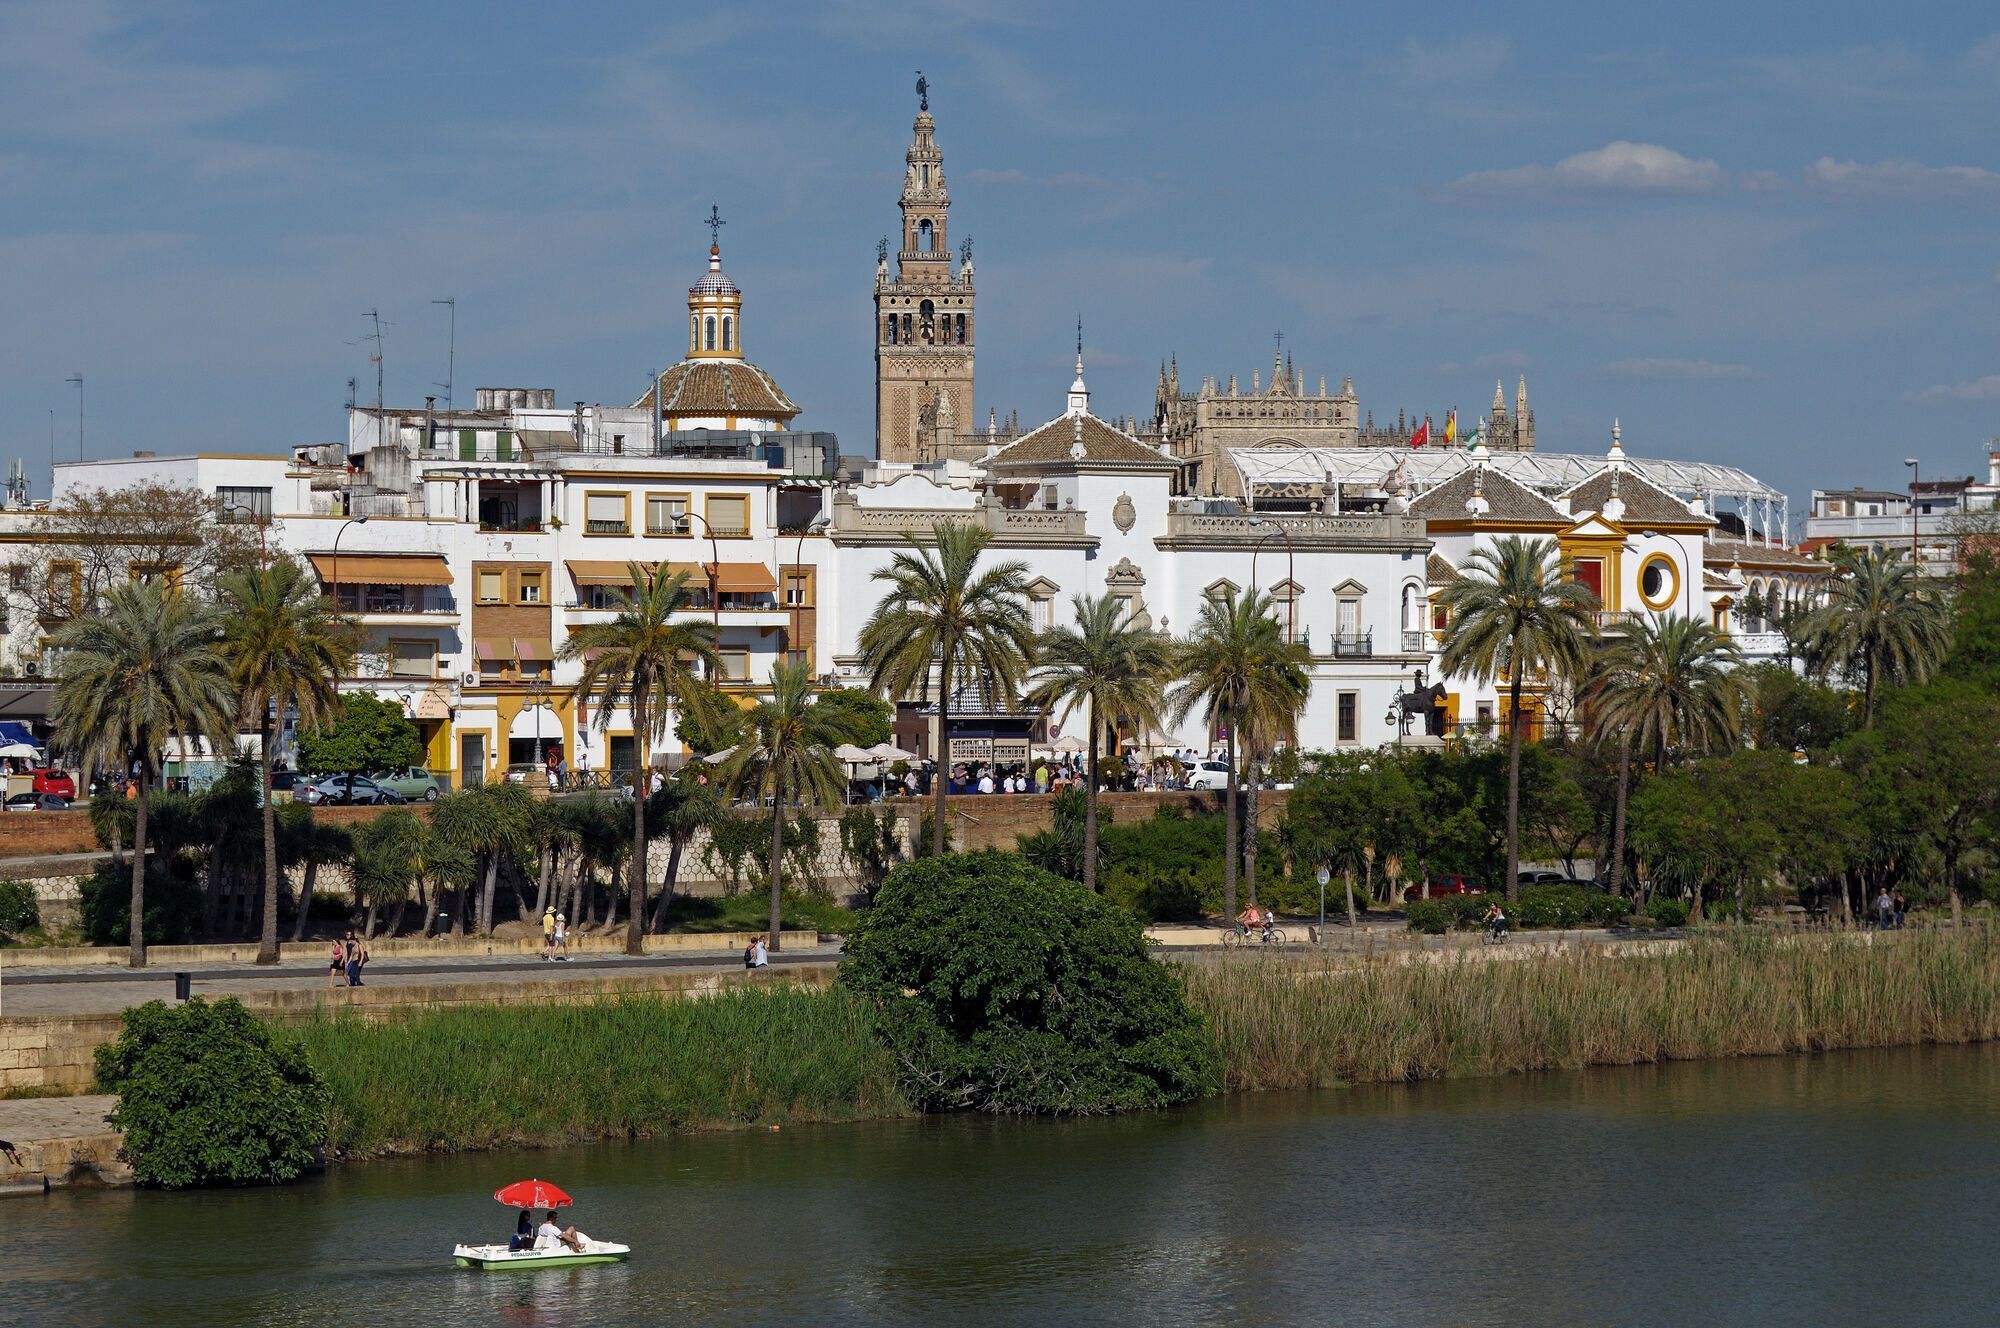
x=1299 y=1025
x=491 y=1076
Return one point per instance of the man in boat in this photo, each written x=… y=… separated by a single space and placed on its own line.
x=548 y=1235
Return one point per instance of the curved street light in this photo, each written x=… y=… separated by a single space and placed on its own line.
x=262 y=524
x=334 y=562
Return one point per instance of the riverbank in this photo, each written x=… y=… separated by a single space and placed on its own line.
x=489 y=1077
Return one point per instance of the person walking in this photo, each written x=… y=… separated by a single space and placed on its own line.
x=336 y=963
x=760 y=954
x=357 y=955
x=1885 y=909
x=562 y=937
x=549 y=933
x=1902 y=908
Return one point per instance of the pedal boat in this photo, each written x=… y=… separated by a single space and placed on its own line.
x=561 y=1256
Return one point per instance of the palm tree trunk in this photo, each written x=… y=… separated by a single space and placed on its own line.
x=1250 y=834
x=777 y=855
x=306 y=896
x=138 y=956
x=396 y=918
x=1868 y=689
x=611 y=898
x=267 y=941
x=1229 y=833
x=939 y=833
x=1348 y=873
x=675 y=843
x=1090 y=811
x=642 y=789
x=487 y=890
x=1514 y=782
x=1616 y=872
x=547 y=879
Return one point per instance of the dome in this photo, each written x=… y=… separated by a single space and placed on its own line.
x=714 y=281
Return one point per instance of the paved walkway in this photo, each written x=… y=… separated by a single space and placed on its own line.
x=101 y=990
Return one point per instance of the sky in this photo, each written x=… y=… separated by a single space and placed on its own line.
x=1756 y=233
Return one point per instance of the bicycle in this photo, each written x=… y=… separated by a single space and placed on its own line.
x=1236 y=936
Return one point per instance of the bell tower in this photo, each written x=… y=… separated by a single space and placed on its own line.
x=924 y=312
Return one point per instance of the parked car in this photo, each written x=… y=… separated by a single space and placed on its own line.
x=414 y=784
x=1208 y=775
x=356 y=791
x=1447 y=884
x=37 y=802
x=518 y=772
x=58 y=782
x=1541 y=878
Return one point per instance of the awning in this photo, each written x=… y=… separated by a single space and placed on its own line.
x=494 y=652
x=743 y=578
x=383 y=569
x=13 y=731
x=537 y=651
x=589 y=573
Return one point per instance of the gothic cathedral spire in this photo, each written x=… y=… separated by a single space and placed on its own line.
x=923 y=313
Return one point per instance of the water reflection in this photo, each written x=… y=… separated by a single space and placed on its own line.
x=1749 y=1192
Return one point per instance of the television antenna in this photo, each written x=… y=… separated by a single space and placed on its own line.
x=374 y=317
x=451 y=351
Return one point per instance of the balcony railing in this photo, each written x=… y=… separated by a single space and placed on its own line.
x=1607 y=620
x=1413 y=642
x=373 y=605
x=1303 y=528
x=1352 y=645
x=607 y=527
x=853 y=523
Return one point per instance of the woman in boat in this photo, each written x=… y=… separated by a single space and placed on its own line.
x=524 y=1232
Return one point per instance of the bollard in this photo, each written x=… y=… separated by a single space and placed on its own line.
x=183 y=985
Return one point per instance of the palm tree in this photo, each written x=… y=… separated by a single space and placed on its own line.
x=688 y=809
x=287 y=649
x=1663 y=683
x=1117 y=672
x=1513 y=612
x=1237 y=668
x=145 y=668
x=645 y=658
x=789 y=753
x=489 y=822
x=1880 y=617
x=943 y=613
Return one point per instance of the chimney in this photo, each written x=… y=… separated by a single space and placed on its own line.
x=142 y=456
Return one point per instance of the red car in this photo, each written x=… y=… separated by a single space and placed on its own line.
x=1445 y=885
x=57 y=782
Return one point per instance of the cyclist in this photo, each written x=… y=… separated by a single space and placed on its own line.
x=1270 y=924
x=1247 y=919
x=1496 y=920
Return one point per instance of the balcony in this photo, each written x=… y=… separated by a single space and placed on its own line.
x=1010 y=527
x=392 y=608
x=1243 y=530
x=1413 y=643
x=1608 y=621
x=1352 y=645
x=1760 y=645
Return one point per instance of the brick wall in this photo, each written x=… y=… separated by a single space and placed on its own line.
x=997 y=820
x=41 y=834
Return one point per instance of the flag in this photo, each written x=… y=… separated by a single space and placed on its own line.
x=1451 y=428
x=1423 y=433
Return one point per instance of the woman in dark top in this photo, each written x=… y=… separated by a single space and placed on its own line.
x=524 y=1232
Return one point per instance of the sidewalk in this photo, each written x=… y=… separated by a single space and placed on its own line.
x=59 y=1140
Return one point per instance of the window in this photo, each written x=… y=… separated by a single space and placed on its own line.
x=604 y=514
x=708 y=333
x=65 y=586
x=728 y=514
x=666 y=514
x=889 y=329
x=1347 y=618
x=468 y=444
x=1590 y=572
x=531 y=587
x=492 y=586
x=1042 y=613
x=413 y=659
x=798 y=590
x=1659 y=582
x=603 y=597
x=728 y=332
x=735 y=665
x=1349 y=716
x=242 y=503
x=924 y=236
x=503 y=446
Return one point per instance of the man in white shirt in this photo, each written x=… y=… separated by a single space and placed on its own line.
x=548 y=1235
x=986 y=782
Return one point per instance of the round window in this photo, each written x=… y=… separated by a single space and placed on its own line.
x=1657 y=583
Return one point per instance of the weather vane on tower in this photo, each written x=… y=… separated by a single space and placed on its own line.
x=923 y=92
x=715 y=223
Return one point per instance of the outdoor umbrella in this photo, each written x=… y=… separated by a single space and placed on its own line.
x=717 y=758
x=890 y=752
x=1069 y=742
x=533 y=1194
x=849 y=754
x=21 y=751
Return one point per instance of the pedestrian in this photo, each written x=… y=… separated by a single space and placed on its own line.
x=1902 y=908
x=357 y=955
x=549 y=933
x=562 y=936
x=583 y=766
x=760 y=955
x=336 y=963
x=659 y=781
x=750 y=954
x=1885 y=909
x=986 y=781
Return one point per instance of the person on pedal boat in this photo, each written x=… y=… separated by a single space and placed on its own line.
x=548 y=1235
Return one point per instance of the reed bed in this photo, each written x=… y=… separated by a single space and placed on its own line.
x=1286 y=1024
x=505 y=1075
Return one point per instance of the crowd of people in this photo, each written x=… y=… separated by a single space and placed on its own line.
x=1052 y=773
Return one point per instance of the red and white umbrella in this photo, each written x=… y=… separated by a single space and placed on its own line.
x=533 y=1194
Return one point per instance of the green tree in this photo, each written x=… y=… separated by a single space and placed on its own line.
x=1116 y=672
x=287 y=650
x=1719 y=821
x=862 y=717
x=1882 y=621
x=712 y=728
x=1003 y=988
x=1347 y=805
x=1974 y=656
x=789 y=755
x=490 y=823
x=144 y=671
x=386 y=852
x=1789 y=713
x=309 y=843
x=1662 y=684
x=1238 y=670
x=1512 y=612
x=363 y=733
x=1932 y=771
x=645 y=658
x=945 y=616
x=681 y=810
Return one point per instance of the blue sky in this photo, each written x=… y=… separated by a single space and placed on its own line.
x=1757 y=233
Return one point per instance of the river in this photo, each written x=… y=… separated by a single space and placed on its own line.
x=1853 y=1188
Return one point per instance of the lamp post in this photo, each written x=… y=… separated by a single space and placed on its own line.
x=1911 y=462
x=538 y=696
x=335 y=562
x=1291 y=572
x=1324 y=875
x=813 y=527
x=263 y=549
x=714 y=572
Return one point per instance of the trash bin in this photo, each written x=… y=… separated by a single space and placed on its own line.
x=183 y=984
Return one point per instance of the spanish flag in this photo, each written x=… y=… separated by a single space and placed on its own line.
x=1451 y=427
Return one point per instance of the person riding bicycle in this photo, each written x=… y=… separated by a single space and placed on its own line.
x=1496 y=920
x=1270 y=924
x=1247 y=919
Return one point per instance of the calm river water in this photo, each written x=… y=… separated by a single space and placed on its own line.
x=1856 y=1188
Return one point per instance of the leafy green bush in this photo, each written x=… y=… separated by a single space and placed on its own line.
x=1429 y=916
x=210 y=1095
x=1002 y=987
x=1667 y=912
x=1607 y=910
x=18 y=911
x=173 y=906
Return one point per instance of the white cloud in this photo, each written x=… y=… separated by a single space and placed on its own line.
x=1973 y=389
x=1902 y=179
x=1649 y=367
x=1619 y=167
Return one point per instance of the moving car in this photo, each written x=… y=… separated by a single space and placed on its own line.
x=1448 y=884
x=58 y=782
x=357 y=791
x=414 y=784
x=37 y=802
x=1208 y=775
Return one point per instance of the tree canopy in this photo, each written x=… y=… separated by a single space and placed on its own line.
x=367 y=734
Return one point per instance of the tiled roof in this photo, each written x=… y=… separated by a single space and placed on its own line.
x=1723 y=552
x=1644 y=501
x=1506 y=500
x=1438 y=571
x=721 y=387
x=1710 y=581
x=1052 y=444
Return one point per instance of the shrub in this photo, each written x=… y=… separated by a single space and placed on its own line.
x=1429 y=916
x=173 y=906
x=1002 y=987
x=1607 y=910
x=1667 y=912
x=209 y=1095
x=18 y=912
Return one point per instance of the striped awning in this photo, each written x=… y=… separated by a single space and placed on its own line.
x=742 y=578
x=493 y=651
x=526 y=648
x=383 y=569
x=593 y=573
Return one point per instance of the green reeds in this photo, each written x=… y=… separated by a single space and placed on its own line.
x=1299 y=1025
x=499 y=1075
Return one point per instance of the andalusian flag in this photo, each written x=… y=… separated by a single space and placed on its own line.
x=1451 y=427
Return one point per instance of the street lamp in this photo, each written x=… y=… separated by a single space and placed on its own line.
x=714 y=572
x=1911 y=462
x=263 y=549
x=814 y=527
x=1324 y=875
x=335 y=561
x=538 y=696
x=1291 y=572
